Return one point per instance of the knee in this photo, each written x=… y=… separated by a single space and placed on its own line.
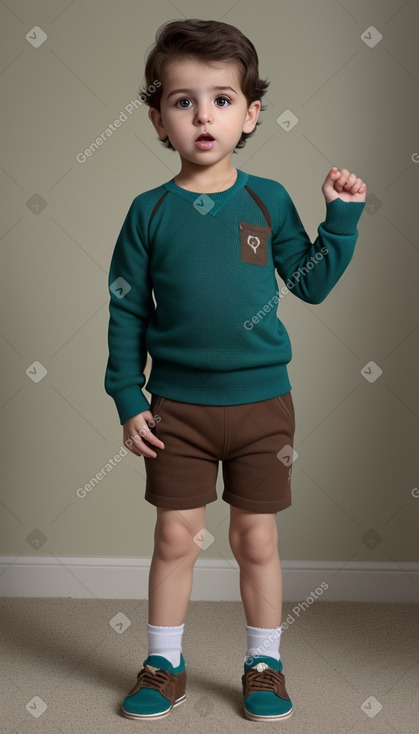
x=256 y=544
x=174 y=541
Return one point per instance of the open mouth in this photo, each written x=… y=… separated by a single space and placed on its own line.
x=204 y=136
x=205 y=141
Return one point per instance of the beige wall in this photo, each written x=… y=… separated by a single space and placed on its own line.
x=357 y=107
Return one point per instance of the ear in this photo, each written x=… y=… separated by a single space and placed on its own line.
x=252 y=116
x=156 y=118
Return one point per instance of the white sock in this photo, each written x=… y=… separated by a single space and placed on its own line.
x=165 y=641
x=261 y=641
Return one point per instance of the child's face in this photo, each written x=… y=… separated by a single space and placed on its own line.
x=210 y=100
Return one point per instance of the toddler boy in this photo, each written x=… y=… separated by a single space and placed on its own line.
x=192 y=282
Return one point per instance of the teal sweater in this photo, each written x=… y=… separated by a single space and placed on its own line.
x=192 y=282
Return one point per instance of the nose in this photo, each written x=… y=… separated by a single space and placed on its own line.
x=203 y=113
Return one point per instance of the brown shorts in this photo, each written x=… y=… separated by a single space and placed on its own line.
x=254 y=442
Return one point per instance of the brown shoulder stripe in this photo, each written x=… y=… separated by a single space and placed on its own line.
x=260 y=204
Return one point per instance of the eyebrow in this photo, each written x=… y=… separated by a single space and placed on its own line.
x=188 y=91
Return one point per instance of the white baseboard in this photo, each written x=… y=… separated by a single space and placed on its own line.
x=214 y=580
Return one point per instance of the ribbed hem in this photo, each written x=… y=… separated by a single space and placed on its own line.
x=204 y=387
x=129 y=402
x=166 y=642
x=342 y=217
x=164 y=638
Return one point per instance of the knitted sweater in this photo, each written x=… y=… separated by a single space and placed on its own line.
x=192 y=281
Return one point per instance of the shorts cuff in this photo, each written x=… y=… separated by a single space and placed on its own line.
x=252 y=505
x=179 y=503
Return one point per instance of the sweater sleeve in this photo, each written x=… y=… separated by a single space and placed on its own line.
x=130 y=309
x=311 y=270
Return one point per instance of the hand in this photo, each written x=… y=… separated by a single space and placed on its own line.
x=137 y=435
x=343 y=185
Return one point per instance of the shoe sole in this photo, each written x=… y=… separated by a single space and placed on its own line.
x=153 y=717
x=254 y=717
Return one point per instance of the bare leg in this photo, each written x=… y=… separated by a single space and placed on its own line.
x=171 y=570
x=254 y=542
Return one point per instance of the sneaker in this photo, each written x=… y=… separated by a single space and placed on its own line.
x=265 y=696
x=159 y=688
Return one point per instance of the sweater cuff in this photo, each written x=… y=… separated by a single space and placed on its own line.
x=342 y=217
x=130 y=402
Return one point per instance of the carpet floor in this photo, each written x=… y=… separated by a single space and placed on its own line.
x=67 y=664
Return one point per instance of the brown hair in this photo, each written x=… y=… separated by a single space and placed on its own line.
x=204 y=40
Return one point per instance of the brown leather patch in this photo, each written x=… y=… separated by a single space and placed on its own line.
x=254 y=243
x=171 y=685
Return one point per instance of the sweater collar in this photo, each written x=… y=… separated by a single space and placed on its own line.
x=216 y=200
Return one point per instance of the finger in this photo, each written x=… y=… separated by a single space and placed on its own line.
x=130 y=442
x=143 y=438
x=356 y=188
x=141 y=448
x=332 y=176
x=341 y=181
x=142 y=452
x=143 y=427
x=334 y=172
x=350 y=181
x=149 y=436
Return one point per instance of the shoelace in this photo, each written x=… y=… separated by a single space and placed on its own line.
x=154 y=677
x=266 y=680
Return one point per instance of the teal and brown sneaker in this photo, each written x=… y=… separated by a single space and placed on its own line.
x=264 y=692
x=159 y=688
